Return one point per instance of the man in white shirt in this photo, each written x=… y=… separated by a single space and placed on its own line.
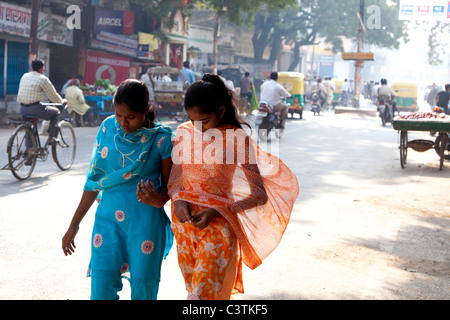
x=345 y=92
x=270 y=93
x=34 y=87
x=145 y=78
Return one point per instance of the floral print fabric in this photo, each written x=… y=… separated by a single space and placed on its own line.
x=253 y=191
x=128 y=236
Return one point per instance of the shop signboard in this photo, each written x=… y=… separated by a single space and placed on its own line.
x=432 y=10
x=16 y=20
x=114 y=21
x=101 y=65
x=115 y=43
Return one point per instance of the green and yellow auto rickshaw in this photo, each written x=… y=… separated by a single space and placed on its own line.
x=294 y=83
x=337 y=92
x=406 y=96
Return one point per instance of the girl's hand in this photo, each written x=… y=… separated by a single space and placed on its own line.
x=146 y=193
x=182 y=211
x=68 y=241
x=203 y=218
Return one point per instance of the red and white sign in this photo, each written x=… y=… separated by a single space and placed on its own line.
x=100 y=65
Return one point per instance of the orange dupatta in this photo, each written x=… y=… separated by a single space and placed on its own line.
x=225 y=169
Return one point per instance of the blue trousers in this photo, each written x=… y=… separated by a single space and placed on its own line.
x=107 y=287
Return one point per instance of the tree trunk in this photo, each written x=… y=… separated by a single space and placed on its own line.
x=296 y=56
x=215 y=38
x=260 y=37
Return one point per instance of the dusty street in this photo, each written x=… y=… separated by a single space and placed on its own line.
x=362 y=227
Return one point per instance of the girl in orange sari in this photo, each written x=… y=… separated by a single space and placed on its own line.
x=231 y=201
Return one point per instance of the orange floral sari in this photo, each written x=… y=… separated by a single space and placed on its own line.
x=253 y=191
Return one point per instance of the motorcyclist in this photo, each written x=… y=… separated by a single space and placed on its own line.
x=384 y=95
x=270 y=93
x=321 y=90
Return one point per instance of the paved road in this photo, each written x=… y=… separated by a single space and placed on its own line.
x=362 y=227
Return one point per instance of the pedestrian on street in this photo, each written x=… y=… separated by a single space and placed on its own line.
x=246 y=86
x=345 y=93
x=34 y=87
x=443 y=97
x=76 y=104
x=431 y=99
x=188 y=74
x=131 y=231
x=227 y=207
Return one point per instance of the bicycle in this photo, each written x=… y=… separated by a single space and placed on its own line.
x=24 y=146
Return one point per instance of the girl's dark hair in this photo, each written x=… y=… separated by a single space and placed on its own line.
x=134 y=94
x=209 y=94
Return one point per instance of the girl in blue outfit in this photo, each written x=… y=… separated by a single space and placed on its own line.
x=128 y=174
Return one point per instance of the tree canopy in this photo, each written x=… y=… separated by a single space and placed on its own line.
x=330 y=20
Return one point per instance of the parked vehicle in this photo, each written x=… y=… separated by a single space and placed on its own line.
x=267 y=119
x=407 y=96
x=337 y=92
x=169 y=95
x=294 y=83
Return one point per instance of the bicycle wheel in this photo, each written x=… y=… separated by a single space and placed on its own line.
x=63 y=151
x=20 y=157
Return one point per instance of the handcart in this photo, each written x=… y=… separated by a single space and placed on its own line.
x=442 y=127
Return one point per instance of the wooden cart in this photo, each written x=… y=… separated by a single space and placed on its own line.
x=427 y=125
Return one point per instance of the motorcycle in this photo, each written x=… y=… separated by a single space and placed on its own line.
x=315 y=103
x=268 y=119
x=438 y=141
x=385 y=110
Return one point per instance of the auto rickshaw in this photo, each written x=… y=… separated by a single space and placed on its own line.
x=407 y=96
x=294 y=83
x=337 y=92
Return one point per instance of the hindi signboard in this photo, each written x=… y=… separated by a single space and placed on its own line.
x=368 y=56
x=432 y=10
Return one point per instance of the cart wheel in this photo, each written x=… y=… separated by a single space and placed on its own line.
x=403 y=147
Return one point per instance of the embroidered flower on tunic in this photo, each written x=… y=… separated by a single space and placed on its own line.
x=124 y=268
x=104 y=152
x=144 y=139
x=147 y=247
x=120 y=216
x=127 y=175
x=98 y=240
x=160 y=141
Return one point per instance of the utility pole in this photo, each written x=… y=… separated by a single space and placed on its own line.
x=359 y=64
x=32 y=51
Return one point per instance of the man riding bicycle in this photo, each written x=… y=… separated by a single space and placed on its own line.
x=34 y=87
